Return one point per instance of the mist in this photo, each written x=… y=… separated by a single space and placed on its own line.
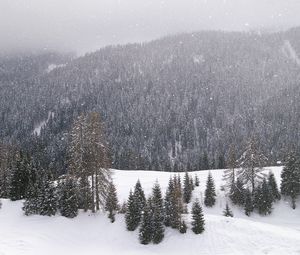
x=87 y=25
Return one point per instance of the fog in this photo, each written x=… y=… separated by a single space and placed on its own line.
x=86 y=25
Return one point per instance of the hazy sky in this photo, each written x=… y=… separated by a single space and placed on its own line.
x=85 y=25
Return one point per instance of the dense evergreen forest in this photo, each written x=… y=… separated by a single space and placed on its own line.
x=173 y=104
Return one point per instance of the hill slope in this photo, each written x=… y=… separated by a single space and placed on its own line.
x=165 y=103
x=278 y=233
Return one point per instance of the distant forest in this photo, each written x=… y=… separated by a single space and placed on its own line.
x=173 y=104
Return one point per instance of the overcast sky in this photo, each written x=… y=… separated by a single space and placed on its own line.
x=86 y=25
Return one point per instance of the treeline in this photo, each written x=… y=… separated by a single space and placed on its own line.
x=248 y=186
x=85 y=186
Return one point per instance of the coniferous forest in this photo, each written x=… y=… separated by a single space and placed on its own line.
x=173 y=104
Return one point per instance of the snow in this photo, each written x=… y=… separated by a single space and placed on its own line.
x=278 y=233
x=51 y=67
x=39 y=126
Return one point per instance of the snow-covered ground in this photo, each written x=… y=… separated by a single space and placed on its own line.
x=94 y=234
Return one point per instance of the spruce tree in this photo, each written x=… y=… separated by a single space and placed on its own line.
x=237 y=194
x=210 y=193
x=197 y=182
x=227 y=211
x=19 y=176
x=146 y=228
x=132 y=216
x=251 y=164
x=273 y=187
x=158 y=214
x=68 y=197
x=264 y=204
x=187 y=189
x=176 y=203
x=290 y=178
x=168 y=203
x=47 y=199
x=111 y=205
x=183 y=227
x=139 y=199
x=248 y=208
x=197 y=218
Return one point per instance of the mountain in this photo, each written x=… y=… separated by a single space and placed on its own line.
x=166 y=105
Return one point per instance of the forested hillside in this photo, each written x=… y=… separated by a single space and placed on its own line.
x=172 y=104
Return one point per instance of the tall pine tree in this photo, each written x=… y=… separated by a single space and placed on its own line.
x=111 y=205
x=290 y=178
x=210 y=193
x=197 y=218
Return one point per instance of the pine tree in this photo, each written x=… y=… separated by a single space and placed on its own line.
x=158 y=214
x=139 y=199
x=111 y=205
x=210 y=193
x=183 y=227
x=187 y=189
x=290 y=178
x=31 y=203
x=168 y=203
x=68 y=197
x=132 y=216
x=237 y=194
x=176 y=203
x=84 y=194
x=47 y=199
x=198 y=218
x=5 y=157
x=146 y=228
x=227 y=212
x=19 y=176
x=264 y=204
x=273 y=187
x=197 y=183
x=248 y=208
x=251 y=163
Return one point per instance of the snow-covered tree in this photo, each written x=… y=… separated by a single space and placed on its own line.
x=132 y=216
x=158 y=214
x=111 y=205
x=265 y=199
x=251 y=164
x=197 y=218
x=139 y=198
x=68 y=197
x=88 y=158
x=146 y=228
x=227 y=211
x=248 y=207
x=290 y=178
x=229 y=174
x=273 y=187
x=183 y=227
x=210 y=193
x=237 y=193
x=187 y=188
x=19 y=180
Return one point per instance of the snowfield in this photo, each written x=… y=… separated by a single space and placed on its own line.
x=278 y=233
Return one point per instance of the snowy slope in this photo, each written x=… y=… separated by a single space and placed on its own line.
x=91 y=234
